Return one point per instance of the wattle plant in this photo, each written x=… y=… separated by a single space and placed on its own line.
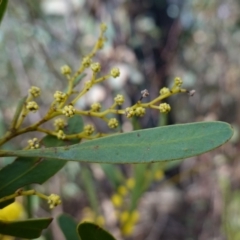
x=43 y=158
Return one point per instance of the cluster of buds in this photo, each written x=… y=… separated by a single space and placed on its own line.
x=54 y=200
x=33 y=143
x=34 y=91
x=69 y=111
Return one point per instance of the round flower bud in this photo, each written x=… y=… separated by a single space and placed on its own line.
x=103 y=27
x=140 y=111
x=86 y=62
x=119 y=99
x=88 y=129
x=33 y=143
x=164 y=90
x=178 y=82
x=164 y=108
x=54 y=200
x=65 y=70
x=96 y=67
x=100 y=42
x=69 y=111
x=129 y=112
x=34 y=91
x=95 y=107
x=61 y=135
x=113 y=123
x=59 y=123
x=59 y=96
x=115 y=72
x=32 y=106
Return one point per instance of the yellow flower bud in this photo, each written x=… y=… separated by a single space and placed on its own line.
x=54 y=200
x=119 y=99
x=96 y=67
x=96 y=107
x=140 y=111
x=33 y=143
x=103 y=27
x=61 y=135
x=65 y=70
x=59 y=123
x=86 y=62
x=130 y=183
x=124 y=216
x=178 y=82
x=113 y=123
x=34 y=91
x=69 y=111
x=164 y=108
x=129 y=112
x=32 y=106
x=88 y=129
x=122 y=190
x=117 y=200
x=115 y=72
x=59 y=96
x=164 y=91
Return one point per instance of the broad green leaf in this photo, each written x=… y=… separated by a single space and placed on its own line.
x=68 y=226
x=144 y=146
x=25 y=229
x=33 y=170
x=3 y=7
x=91 y=231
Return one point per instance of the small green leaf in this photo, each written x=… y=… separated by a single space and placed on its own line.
x=75 y=125
x=68 y=226
x=90 y=188
x=91 y=231
x=25 y=229
x=114 y=175
x=3 y=7
x=18 y=111
x=78 y=79
x=144 y=146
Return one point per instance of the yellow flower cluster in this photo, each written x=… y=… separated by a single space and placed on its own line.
x=115 y=72
x=113 y=123
x=88 y=129
x=86 y=61
x=59 y=96
x=54 y=200
x=32 y=106
x=96 y=67
x=66 y=70
x=61 y=135
x=59 y=123
x=164 y=90
x=164 y=108
x=34 y=91
x=119 y=99
x=96 y=107
x=140 y=111
x=69 y=111
x=127 y=219
x=33 y=143
x=178 y=82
